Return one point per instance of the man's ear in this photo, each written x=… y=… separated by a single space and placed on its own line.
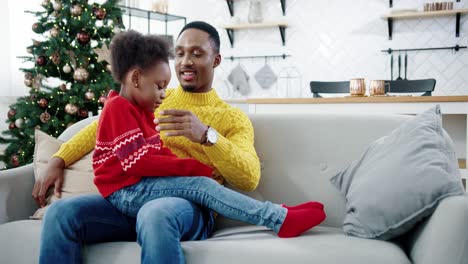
x=217 y=60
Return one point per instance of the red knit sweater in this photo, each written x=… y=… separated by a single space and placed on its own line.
x=128 y=148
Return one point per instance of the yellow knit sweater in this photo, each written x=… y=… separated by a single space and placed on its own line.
x=233 y=157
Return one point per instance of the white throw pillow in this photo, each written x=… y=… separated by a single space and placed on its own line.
x=78 y=177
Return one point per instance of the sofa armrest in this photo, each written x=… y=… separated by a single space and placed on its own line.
x=443 y=238
x=16 y=187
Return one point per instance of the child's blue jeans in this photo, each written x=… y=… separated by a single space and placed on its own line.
x=201 y=190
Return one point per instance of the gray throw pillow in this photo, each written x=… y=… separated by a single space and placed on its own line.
x=399 y=179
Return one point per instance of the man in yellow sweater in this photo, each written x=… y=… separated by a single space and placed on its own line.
x=194 y=122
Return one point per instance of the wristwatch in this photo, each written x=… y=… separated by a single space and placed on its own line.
x=211 y=136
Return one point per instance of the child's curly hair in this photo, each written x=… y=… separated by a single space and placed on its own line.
x=132 y=49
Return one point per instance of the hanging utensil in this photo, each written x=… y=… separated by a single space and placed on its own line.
x=399 y=67
x=406 y=65
x=391 y=67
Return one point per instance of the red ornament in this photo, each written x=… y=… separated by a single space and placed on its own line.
x=38 y=28
x=83 y=37
x=83 y=112
x=12 y=125
x=102 y=99
x=41 y=60
x=11 y=113
x=100 y=13
x=43 y=103
x=14 y=160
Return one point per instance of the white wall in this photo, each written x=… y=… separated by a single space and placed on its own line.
x=5 y=52
x=335 y=40
x=328 y=40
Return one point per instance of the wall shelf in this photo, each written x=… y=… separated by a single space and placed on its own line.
x=430 y=14
x=230 y=4
x=390 y=3
x=149 y=15
x=231 y=28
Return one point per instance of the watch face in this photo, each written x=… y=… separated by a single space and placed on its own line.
x=212 y=136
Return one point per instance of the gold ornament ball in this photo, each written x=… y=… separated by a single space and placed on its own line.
x=109 y=67
x=28 y=76
x=54 y=32
x=81 y=75
x=28 y=82
x=89 y=95
x=57 y=6
x=19 y=122
x=44 y=117
x=71 y=109
x=66 y=68
x=55 y=58
x=36 y=83
x=63 y=87
x=76 y=10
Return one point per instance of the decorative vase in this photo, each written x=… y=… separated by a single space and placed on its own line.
x=255 y=12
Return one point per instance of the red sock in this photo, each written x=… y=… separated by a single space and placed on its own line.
x=299 y=221
x=306 y=205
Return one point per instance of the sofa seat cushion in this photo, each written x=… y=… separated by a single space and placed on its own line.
x=247 y=244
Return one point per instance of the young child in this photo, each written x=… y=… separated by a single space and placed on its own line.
x=132 y=166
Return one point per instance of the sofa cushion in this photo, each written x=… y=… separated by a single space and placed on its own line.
x=78 y=177
x=399 y=179
x=250 y=244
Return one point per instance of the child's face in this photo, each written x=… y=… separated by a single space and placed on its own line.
x=152 y=86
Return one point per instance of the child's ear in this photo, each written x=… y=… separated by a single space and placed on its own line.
x=135 y=76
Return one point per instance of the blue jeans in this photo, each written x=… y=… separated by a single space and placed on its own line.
x=201 y=190
x=158 y=227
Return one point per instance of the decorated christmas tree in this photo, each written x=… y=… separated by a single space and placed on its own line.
x=69 y=74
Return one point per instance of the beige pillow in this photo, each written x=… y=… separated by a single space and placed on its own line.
x=78 y=177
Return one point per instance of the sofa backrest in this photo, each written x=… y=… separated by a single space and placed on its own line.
x=72 y=130
x=299 y=153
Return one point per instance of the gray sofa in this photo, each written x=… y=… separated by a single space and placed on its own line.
x=299 y=153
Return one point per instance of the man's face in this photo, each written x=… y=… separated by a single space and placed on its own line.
x=195 y=60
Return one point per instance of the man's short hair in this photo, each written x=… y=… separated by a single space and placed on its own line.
x=203 y=26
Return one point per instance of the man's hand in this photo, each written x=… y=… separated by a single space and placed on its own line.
x=53 y=176
x=181 y=123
